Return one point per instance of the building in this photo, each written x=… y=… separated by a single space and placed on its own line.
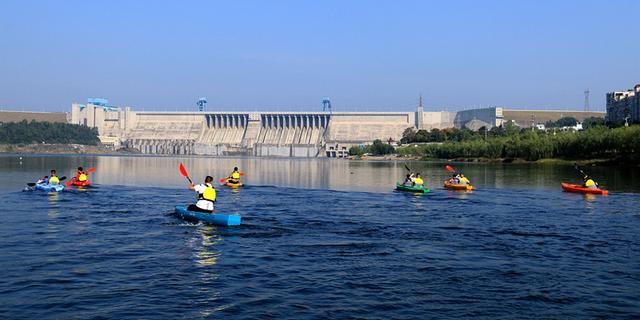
x=624 y=105
x=284 y=134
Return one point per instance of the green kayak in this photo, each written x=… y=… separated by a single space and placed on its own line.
x=401 y=187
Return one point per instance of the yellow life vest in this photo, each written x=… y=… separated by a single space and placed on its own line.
x=590 y=183
x=209 y=194
x=54 y=180
x=235 y=175
x=464 y=180
x=418 y=181
x=82 y=177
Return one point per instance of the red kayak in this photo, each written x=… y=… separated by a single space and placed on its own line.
x=81 y=184
x=580 y=189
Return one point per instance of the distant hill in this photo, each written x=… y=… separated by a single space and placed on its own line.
x=17 y=116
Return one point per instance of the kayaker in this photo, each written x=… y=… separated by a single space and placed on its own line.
x=50 y=179
x=408 y=181
x=589 y=183
x=53 y=178
x=454 y=179
x=234 y=177
x=81 y=175
x=463 y=179
x=418 y=180
x=206 y=195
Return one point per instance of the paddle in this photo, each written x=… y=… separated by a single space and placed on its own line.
x=184 y=173
x=32 y=184
x=575 y=166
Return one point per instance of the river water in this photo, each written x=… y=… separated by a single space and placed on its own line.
x=319 y=238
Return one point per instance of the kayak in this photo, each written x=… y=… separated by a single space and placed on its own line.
x=233 y=185
x=81 y=184
x=49 y=187
x=567 y=187
x=452 y=186
x=401 y=187
x=212 y=218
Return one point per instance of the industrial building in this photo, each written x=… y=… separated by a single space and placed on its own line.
x=624 y=106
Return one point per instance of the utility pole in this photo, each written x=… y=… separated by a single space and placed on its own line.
x=586 y=100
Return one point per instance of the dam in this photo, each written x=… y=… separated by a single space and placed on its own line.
x=268 y=134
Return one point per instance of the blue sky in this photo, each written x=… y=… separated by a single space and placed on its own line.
x=288 y=55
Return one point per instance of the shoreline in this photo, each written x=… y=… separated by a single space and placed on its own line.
x=70 y=149
x=588 y=162
x=78 y=149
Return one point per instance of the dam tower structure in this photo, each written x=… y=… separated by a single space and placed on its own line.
x=202 y=104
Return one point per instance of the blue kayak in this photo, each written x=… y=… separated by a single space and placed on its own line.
x=49 y=187
x=212 y=218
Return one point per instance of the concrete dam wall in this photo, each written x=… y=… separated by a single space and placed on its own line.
x=278 y=134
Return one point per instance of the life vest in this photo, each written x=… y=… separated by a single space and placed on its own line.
x=418 y=181
x=82 y=177
x=209 y=194
x=590 y=183
x=464 y=180
x=235 y=175
x=54 y=180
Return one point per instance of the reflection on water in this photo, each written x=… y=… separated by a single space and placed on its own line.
x=206 y=254
x=54 y=208
x=335 y=174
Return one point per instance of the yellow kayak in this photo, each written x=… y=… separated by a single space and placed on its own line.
x=451 y=186
x=233 y=185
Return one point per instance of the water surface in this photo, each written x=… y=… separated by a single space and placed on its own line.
x=320 y=239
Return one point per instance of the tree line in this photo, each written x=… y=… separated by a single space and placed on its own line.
x=596 y=142
x=378 y=148
x=410 y=135
x=25 y=132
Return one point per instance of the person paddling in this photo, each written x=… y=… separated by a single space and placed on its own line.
x=81 y=175
x=408 y=181
x=206 y=195
x=418 y=181
x=463 y=180
x=51 y=179
x=589 y=183
x=234 y=177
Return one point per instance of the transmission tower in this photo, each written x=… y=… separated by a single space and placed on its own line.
x=586 y=100
x=326 y=105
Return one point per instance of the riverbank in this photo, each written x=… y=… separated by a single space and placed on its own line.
x=588 y=162
x=61 y=149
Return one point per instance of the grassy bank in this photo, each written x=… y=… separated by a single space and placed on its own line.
x=601 y=144
x=57 y=149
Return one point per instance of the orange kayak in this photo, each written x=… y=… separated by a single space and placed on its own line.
x=580 y=189
x=452 y=186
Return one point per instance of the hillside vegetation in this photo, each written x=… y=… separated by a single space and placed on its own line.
x=597 y=142
x=46 y=132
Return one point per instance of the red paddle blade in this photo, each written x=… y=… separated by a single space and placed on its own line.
x=241 y=174
x=183 y=171
x=223 y=180
x=449 y=168
x=68 y=184
x=91 y=170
